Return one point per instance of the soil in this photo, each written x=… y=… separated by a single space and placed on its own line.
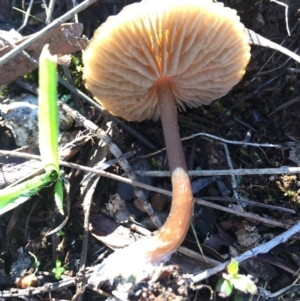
x=263 y=108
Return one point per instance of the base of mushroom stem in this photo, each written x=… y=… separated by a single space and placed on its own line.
x=131 y=264
x=143 y=290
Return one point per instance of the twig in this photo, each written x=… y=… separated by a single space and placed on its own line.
x=48 y=287
x=286 y=14
x=246 y=125
x=260 y=72
x=74 y=2
x=26 y=16
x=256 y=91
x=275 y=296
x=248 y=202
x=232 y=141
x=159 y=190
x=225 y=172
x=233 y=179
x=23 y=52
x=243 y=143
x=78 y=105
x=272 y=55
x=285 y=105
x=163 y=174
x=81 y=120
x=87 y=202
x=263 y=248
x=205 y=261
x=49 y=11
x=250 y=216
x=295 y=70
x=5 y=58
x=87 y=188
x=256 y=39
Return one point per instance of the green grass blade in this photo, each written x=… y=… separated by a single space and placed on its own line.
x=11 y=197
x=48 y=119
x=59 y=195
x=48 y=110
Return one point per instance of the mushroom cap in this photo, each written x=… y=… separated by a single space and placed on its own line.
x=200 y=46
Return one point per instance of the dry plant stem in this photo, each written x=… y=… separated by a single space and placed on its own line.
x=262 y=248
x=250 y=216
x=225 y=172
x=81 y=120
x=5 y=58
x=26 y=16
x=154 y=173
x=256 y=39
x=46 y=288
x=218 y=139
x=172 y=233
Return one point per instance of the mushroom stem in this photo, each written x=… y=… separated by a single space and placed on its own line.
x=168 y=113
x=173 y=232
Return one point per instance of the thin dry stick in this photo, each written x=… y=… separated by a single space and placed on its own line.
x=232 y=141
x=23 y=52
x=247 y=202
x=286 y=15
x=26 y=15
x=205 y=261
x=81 y=120
x=85 y=241
x=246 y=125
x=225 y=172
x=78 y=104
x=74 y=2
x=296 y=70
x=285 y=105
x=5 y=58
x=275 y=296
x=49 y=11
x=192 y=173
x=275 y=69
x=233 y=179
x=250 y=216
x=258 y=40
x=47 y=288
x=159 y=190
x=272 y=55
x=210 y=136
x=88 y=187
x=263 y=248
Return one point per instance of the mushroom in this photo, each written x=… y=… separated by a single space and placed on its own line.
x=157 y=55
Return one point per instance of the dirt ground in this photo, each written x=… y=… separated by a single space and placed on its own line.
x=263 y=108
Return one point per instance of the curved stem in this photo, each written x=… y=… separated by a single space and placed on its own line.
x=138 y=258
x=170 y=236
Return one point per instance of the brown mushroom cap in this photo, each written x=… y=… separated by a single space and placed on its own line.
x=199 y=45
